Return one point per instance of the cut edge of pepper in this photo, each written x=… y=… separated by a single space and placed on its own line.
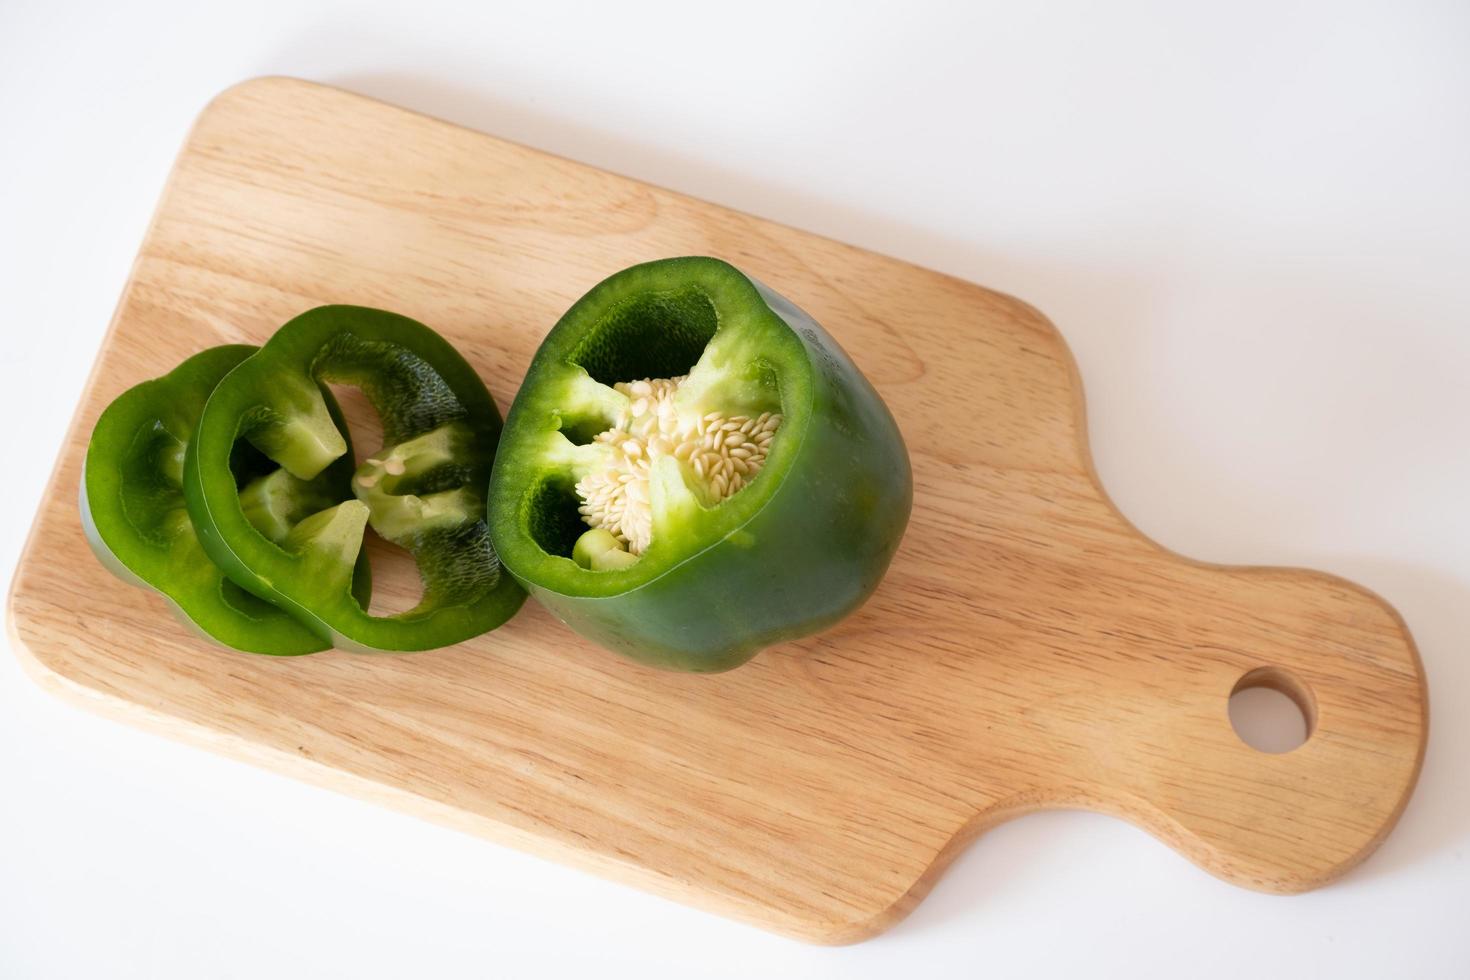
x=760 y=341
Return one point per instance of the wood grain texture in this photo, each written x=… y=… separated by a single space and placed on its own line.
x=1028 y=649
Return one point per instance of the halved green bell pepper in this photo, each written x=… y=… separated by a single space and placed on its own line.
x=699 y=554
x=422 y=491
x=133 y=510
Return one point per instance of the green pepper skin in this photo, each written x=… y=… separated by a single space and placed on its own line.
x=428 y=398
x=800 y=547
x=133 y=511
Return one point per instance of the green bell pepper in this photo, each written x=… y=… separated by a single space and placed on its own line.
x=422 y=491
x=694 y=470
x=134 y=515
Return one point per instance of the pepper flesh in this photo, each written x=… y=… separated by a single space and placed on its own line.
x=133 y=510
x=421 y=491
x=798 y=547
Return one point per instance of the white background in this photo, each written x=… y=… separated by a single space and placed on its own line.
x=1250 y=220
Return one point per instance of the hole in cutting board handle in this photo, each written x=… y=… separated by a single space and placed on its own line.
x=1272 y=711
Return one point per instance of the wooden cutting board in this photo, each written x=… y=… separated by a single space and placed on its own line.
x=1028 y=649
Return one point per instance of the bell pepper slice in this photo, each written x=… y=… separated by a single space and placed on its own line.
x=135 y=518
x=422 y=491
x=693 y=470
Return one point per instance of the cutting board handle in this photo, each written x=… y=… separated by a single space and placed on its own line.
x=1289 y=821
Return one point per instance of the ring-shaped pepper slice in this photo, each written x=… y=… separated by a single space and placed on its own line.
x=423 y=491
x=684 y=347
x=134 y=515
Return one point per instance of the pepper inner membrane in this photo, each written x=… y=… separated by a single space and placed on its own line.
x=675 y=421
x=152 y=485
x=421 y=493
x=397 y=585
